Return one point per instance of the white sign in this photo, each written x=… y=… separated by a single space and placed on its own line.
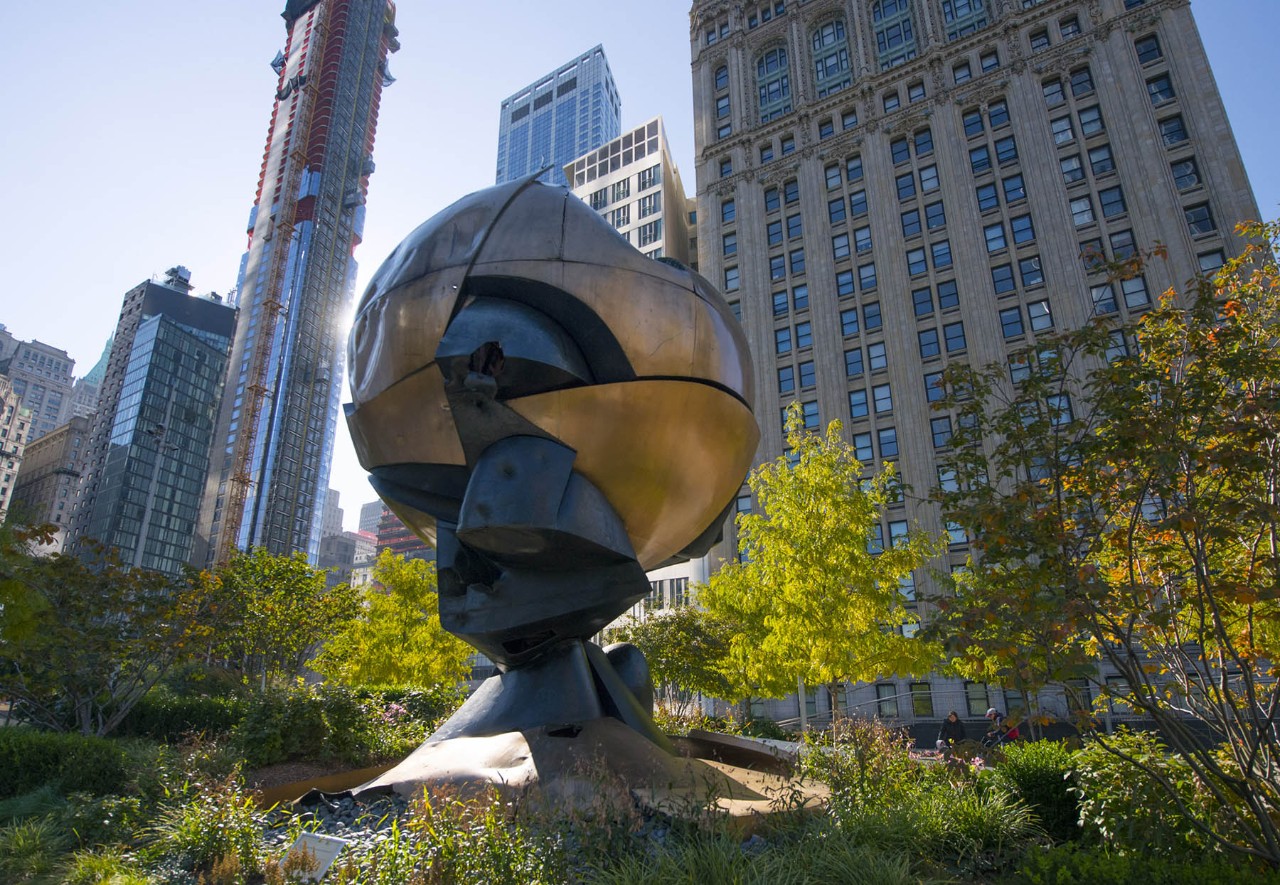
x=323 y=851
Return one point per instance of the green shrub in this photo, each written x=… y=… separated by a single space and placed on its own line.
x=106 y=867
x=30 y=849
x=217 y=826
x=40 y=802
x=1040 y=774
x=69 y=762
x=1076 y=865
x=95 y=821
x=164 y=716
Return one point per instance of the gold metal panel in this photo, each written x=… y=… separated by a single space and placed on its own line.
x=409 y=423
x=669 y=455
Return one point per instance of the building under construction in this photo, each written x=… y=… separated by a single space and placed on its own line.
x=276 y=425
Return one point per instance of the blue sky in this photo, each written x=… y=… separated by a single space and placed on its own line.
x=133 y=132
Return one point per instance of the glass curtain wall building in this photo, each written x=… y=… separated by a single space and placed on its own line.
x=887 y=186
x=276 y=427
x=557 y=118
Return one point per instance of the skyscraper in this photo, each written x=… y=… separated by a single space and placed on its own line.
x=41 y=375
x=275 y=430
x=886 y=187
x=15 y=423
x=151 y=437
x=47 y=485
x=572 y=110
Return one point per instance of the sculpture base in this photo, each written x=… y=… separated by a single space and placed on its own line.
x=604 y=763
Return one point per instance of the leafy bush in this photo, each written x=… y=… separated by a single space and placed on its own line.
x=217 y=826
x=102 y=820
x=866 y=762
x=70 y=762
x=1122 y=807
x=164 y=716
x=1040 y=774
x=1075 y=865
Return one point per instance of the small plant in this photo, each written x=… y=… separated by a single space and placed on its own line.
x=108 y=866
x=30 y=849
x=217 y=824
x=1040 y=774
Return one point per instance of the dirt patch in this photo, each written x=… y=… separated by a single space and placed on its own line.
x=286 y=773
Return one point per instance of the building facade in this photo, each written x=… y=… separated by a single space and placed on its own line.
x=49 y=481
x=149 y=447
x=15 y=424
x=84 y=392
x=370 y=516
x=634 y=183
x=276 y=427
x=886 y=187
x=41 y=375
x=569 y=112
x=395 y=536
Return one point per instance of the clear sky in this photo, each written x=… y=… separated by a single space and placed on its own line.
x=133 y=132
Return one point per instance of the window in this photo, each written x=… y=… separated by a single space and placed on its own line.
x=1002 y=279
x=1039 y=316
x=786 y=380
x=797 y=261
x=766 y=153
x=953 y=334
x=780 y=303
x=1053 y=92
x=773 y=233
x=1014 y=189
x=844 y=283
x=722 y=107
x=911 y=223
x=979 y=159
x=1072 y=169
x=777 y=267
x=848 y=119
x=853 y=168
x=948 y=295
x=886 y=701
x=788 y=145
x=858 y=404
x=1123 y=245
x=1100 y=160
x=833 y=176
x=790 y=192
x=1210 y=262
x=862 y=240
x=883 y=398
x=963 y=17
x=934 y=390
x=915 y=92
x=941 y=431
x=728 y=211
x=1104 y=299
x=862 y=447
x=1173 y=131
x=1081 y=82
x=1023 y=231
x=973 y=124
x=941 y=252
x=773 y=84
x=906 y=184
x=1148 y=49
x=800 y=297
x=1186 y=175
x=1062 y=131
x=876 y=357
x=858 y=203
x=730 y=244
x=1160 y=88
x=1011 y=322
x=1060 y=409
x=1032 y=273
x=1091 y=121
x=1111 y=201
x=1082 y=211
x=1069 y=27
x=726 y=167
x=900 y=150
x=867 y=276
x=731 y=279
x=807 y=374
x=987 y=199
x=853 y=362
x=998 y=113
x=771 y=199
x=840 y=246
x=835 y=210
x=922 y=301
x=916 y=263
x=1006 y=151
x=961 y=73
x=849 y=321
x=724 y=130
x=600 y=199
x=1040 y=40
x=928 y=179
x=924 y=142
x=794 y=227
x=929 y=344
x=809 y=411
x=650 y=233
x=1135 y=293
x=989 y=60
x=826 y=128
x=994 y=234
x=887 y=437
x=871 y=315
x=894 y=31
x=831 y=58
x=892 y=101
x=935 y=216
x=782 y=341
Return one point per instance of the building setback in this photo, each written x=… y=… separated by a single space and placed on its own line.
x=148 y=450
x=572 y=110
x=275 y=430
x=49 y=481
x=886 y=187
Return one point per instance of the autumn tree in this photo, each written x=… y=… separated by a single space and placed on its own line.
x=277 y=610
x=686 y=648
x=815 y=594
x=397 y=638
x=83 y=639
x=1163 y=560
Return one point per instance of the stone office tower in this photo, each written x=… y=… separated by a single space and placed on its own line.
x=887 y=186
x=275 y=430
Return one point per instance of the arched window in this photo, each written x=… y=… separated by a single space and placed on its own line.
x=831 y=58
x=895 y=32
x=773 y=79
x=964 y=17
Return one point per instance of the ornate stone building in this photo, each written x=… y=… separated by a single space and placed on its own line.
x=884 y=187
